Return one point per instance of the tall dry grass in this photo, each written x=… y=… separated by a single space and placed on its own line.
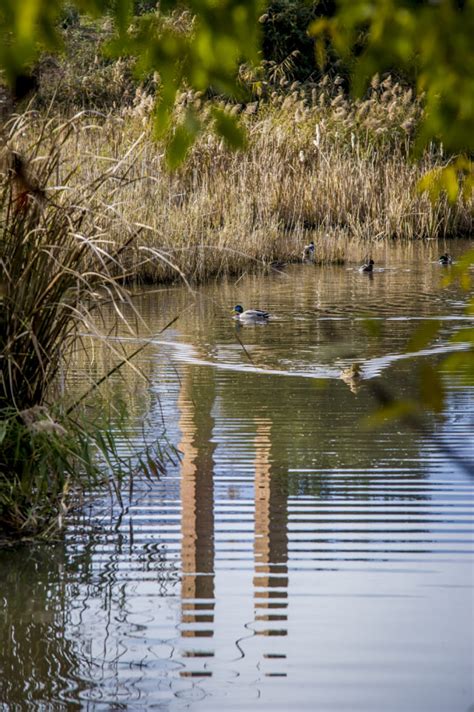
x=318 y=166
x=58 y=267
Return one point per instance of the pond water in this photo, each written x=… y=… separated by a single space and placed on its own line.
x=293 y=558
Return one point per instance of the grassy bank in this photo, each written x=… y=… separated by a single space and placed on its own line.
x=318 y=166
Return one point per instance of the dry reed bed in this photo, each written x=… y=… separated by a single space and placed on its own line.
x=87 y=203
x=318 y=166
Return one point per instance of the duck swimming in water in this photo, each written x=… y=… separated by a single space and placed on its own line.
x=308 y=252
x=445 y=259
x=352 y=376
x=250 y=314
x=367 y=266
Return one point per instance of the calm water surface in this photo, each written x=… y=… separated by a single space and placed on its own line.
x=292 y=559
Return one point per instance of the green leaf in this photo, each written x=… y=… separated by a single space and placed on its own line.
x=464 y=336
x=462 y=364
x=398 y=410
x=372 y=326
x=432 y=42
x=319 y=26
x=424 y=335
x=431 y=388
x=182 y=139
x=163 y=110
x=122 y=14
x=228 y=127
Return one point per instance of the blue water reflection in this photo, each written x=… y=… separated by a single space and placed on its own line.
x=292 y=559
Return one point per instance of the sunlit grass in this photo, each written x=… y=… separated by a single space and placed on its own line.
x=318 y=166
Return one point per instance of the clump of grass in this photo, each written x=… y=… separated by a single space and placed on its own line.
x=58 y=267
x=56 y=264
x=46 y=457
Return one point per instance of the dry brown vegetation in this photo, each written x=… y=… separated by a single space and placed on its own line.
x=318 y=166
x=57 y=269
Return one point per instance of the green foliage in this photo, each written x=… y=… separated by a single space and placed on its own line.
x=228 y=127
x=182 y=139
x=436 y=39
x=460 y=272
x=463 y=361
x=285 y=40
x=200 y=47
x=81 y=76
x=454 y=179
x=424 y=335
x=431 y=390
x=52 y=457
x=43 y=456
x=69 y=16
x=433 y=39
x=431 y=395
x=141 y=7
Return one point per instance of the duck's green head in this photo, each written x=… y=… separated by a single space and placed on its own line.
x=238 y=309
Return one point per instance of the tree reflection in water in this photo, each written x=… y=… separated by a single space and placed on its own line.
x=285 y=528
x=195 y=403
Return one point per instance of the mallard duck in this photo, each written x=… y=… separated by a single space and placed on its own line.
x=250 y=314
x=367 y=266
x=308 y=252
x=352 y=376
x=445 y=259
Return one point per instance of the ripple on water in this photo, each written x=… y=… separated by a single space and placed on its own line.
x=293 y=559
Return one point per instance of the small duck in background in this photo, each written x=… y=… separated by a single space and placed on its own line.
x=352 y=376
x=445 y=259
x=250 y=314
x=367 y=266
x=308 y=252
